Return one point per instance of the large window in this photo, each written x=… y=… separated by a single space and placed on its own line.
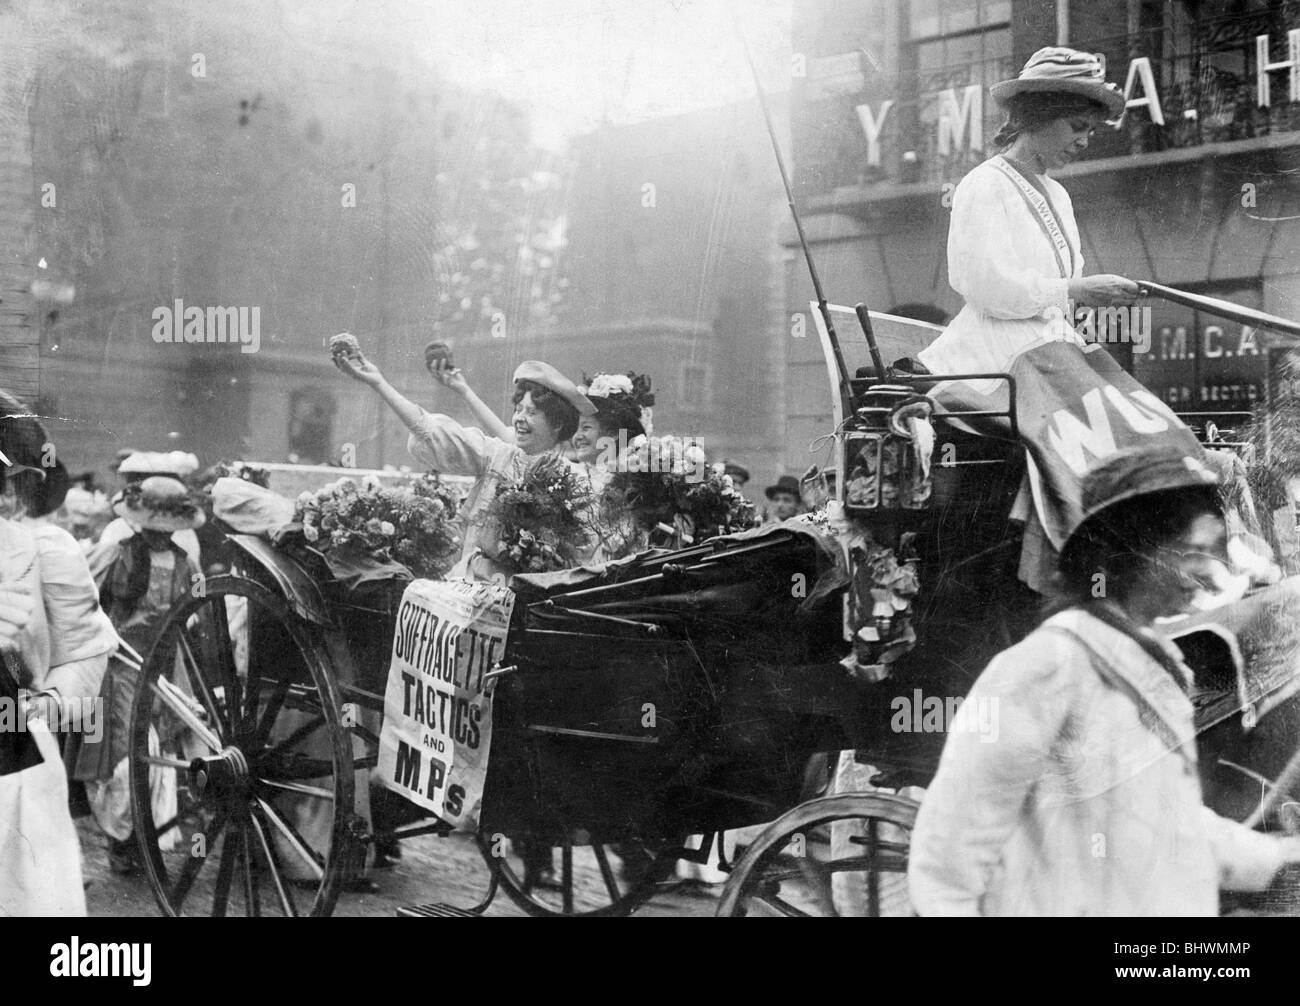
x=311 y=426
x=955 y=44
x=946 y=17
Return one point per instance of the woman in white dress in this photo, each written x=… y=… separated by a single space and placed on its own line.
x=547 y=409
x=1014 y=252
x=55 y=642
x=622 y=404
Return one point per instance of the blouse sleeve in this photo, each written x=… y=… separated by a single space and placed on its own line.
x=991 y=760
x=988 y=262
x=444 y=445
x=79 y=629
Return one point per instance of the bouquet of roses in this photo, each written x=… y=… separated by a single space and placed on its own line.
x=668 y=485
x=542 y=521
x=413 y=524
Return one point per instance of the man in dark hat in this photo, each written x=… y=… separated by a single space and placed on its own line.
x=738 y=472
x=784 y=500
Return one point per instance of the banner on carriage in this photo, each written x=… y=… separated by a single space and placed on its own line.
x=1075 y=407
x=437 y=732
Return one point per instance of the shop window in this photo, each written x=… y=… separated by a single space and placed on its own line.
x=311 y=426
x=695 y=386
x=954 y=44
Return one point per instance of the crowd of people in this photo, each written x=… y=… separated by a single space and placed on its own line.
x=1097 y=748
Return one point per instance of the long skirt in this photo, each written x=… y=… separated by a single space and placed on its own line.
x=40 y=857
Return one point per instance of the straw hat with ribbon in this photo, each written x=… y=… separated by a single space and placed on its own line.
x=1056 y=70
x=159 y=503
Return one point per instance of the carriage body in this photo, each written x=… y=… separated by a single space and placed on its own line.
x=674 y=693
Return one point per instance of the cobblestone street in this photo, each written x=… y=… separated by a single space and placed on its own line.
x=448 y=870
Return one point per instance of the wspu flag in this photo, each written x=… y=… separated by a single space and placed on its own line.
x=1074 y=408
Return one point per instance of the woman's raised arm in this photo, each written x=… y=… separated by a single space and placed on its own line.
x=489 y=422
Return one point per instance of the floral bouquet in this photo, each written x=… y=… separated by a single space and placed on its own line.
x=413 y=524
x=541 y=521
x=668 y=486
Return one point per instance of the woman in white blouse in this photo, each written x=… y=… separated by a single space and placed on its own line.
x=55 y=643
x=1014 y=252
x=547 y=409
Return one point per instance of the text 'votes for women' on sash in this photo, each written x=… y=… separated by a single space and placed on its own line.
x=433 y=748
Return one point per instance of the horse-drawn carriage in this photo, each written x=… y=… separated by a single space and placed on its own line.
x=671 y=694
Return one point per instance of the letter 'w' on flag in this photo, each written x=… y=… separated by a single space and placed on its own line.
x=1074 y=408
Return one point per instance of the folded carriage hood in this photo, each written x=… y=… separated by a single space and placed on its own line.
x=298 y=588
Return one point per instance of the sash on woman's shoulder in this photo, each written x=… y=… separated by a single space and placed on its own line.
x=1041 y=207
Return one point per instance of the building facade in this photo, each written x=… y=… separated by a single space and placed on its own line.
x=1196 y=189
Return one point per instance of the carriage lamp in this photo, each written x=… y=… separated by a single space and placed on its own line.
x=887 y=452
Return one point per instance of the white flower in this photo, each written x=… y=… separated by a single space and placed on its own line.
x=306 y=499
x=604 y=385
x=371 y=483
x=386 y=528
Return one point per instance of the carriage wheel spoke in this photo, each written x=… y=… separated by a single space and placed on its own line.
x=175 y=701
x=299 y=845
x=297 y=735
x=163 y=762
x=262 y=731
x=566 y=877
x=198 y=683
x=225 y=657
x=298 y=787
x=193 y=864
x=873 y=877
x=611 y=882
x=252 y=905
x=282 y=891
x=225 y=873
x=773 y=900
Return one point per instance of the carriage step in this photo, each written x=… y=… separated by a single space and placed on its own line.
x=435 y=910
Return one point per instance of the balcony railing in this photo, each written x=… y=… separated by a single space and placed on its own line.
x=1207 y=94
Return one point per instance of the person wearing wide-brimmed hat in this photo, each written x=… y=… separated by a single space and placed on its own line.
x=54 y=646
x=1014 y=252
x=547 y=408
x=1068 y=784
x=134 y=469
x=139 y=578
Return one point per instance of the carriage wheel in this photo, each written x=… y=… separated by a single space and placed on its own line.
x=785 y=872
x=579 y=878
x=241 y=774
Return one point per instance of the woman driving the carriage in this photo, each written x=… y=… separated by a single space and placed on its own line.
x=1089 y=802
x=1015 y=256
x=1014 y=252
